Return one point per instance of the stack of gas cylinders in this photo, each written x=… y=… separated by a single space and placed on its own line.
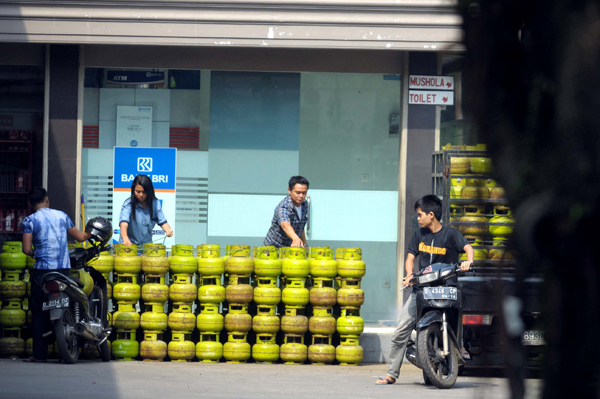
x=264 y=304
x=126 y=292
x=239 y=266
x=13 y=292
x=211 y=294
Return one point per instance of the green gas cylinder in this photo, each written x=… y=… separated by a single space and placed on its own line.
x=265 y=350
x=12 y=257
x=293 y=350
x=12 y=314
x=323 y=265
x=267 y=262
x=155 y=262
x=266 y=320
x=211 y=290
x=295 y=265
x=182 y=289
x=238 y=319
x=236 y=349
x=209 y=349
x=352 y=265
x=153 y=348
x=322 y=322
x=209 y=319
x=239 y=261
x=127 y=260
x=104 y=263
x=294 y=293
x=182 y=260
x=350 y=322
x=125 y=347
x=181 y=348
x=210 y=262
x=181 y=319
x=267 y=292
x=350 y=293
x=321 y=351
x=322 y=293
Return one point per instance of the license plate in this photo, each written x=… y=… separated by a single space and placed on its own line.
x=440 y=293
x=56 y=303
x=533 y=338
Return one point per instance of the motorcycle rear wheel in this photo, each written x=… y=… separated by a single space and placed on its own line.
x=441 y=372
x=67 y=339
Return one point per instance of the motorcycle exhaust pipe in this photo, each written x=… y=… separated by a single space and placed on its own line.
x=89 y=330
x=411 y=355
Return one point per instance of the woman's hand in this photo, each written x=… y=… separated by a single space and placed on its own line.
x=168 y=230
x=126 y=241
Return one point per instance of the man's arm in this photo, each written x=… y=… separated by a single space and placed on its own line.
x=304 y=239
x=289 y=231
x=409 y=266
x=80 y=236
x=27 y=248
x=466 y=265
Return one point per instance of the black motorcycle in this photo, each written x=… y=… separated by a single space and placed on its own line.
x=79 y=319
x=439 y=326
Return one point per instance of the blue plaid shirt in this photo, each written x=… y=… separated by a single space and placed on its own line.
x=286 y=212
x=48 y=228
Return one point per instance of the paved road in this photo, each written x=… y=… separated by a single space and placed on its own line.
x=126 y=380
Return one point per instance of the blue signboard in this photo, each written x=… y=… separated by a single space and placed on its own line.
x=159 y=164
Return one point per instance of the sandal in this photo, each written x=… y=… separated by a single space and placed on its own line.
x=387 y=380
x=34 y=360
x=465 y=355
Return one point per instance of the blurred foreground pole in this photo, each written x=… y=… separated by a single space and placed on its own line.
x=532 y=86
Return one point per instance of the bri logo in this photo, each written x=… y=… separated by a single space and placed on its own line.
x=144 y=164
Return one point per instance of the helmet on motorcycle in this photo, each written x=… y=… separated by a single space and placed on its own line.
x=100 y=229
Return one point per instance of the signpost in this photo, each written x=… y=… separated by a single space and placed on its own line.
x=160 y=164
x=431 y=90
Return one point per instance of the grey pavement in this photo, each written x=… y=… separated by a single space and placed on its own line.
x=116 y=380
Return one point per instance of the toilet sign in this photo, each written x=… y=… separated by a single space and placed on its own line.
x=431 y=97
x=160 y=165
x=431 y=90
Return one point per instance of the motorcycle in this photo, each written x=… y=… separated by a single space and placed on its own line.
x=439 y=326
x=79 y=310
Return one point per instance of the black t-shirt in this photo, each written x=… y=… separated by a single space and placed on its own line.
x=441 y=247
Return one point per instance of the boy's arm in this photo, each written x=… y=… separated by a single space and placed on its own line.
x=27 y=248
x=409 y=266
x=466 y=265
x=80 y=236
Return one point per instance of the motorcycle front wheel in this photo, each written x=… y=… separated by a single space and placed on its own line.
x=67 y=339
x=440 y=371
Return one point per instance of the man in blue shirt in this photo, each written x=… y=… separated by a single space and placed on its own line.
x=47 y=230
x=290 y=217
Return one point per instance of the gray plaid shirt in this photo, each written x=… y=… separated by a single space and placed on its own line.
x=286 y=212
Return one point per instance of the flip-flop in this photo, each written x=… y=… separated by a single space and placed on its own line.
x=34 y=360
x=385 y=381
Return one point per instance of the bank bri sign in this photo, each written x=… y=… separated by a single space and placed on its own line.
x=160 y=165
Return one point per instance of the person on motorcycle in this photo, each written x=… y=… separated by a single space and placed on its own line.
x=435 y=244
x=47 y=230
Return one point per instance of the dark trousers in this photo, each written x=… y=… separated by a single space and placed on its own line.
x=40 y=321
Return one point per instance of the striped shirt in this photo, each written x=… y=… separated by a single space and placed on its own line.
x=48 y=228
x=286 y=212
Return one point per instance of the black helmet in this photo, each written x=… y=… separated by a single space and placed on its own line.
x=100 y=229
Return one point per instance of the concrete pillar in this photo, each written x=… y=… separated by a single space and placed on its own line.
x=62 y=128
x=416 y=147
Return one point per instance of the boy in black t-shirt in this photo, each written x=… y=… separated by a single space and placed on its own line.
x=435 y=244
